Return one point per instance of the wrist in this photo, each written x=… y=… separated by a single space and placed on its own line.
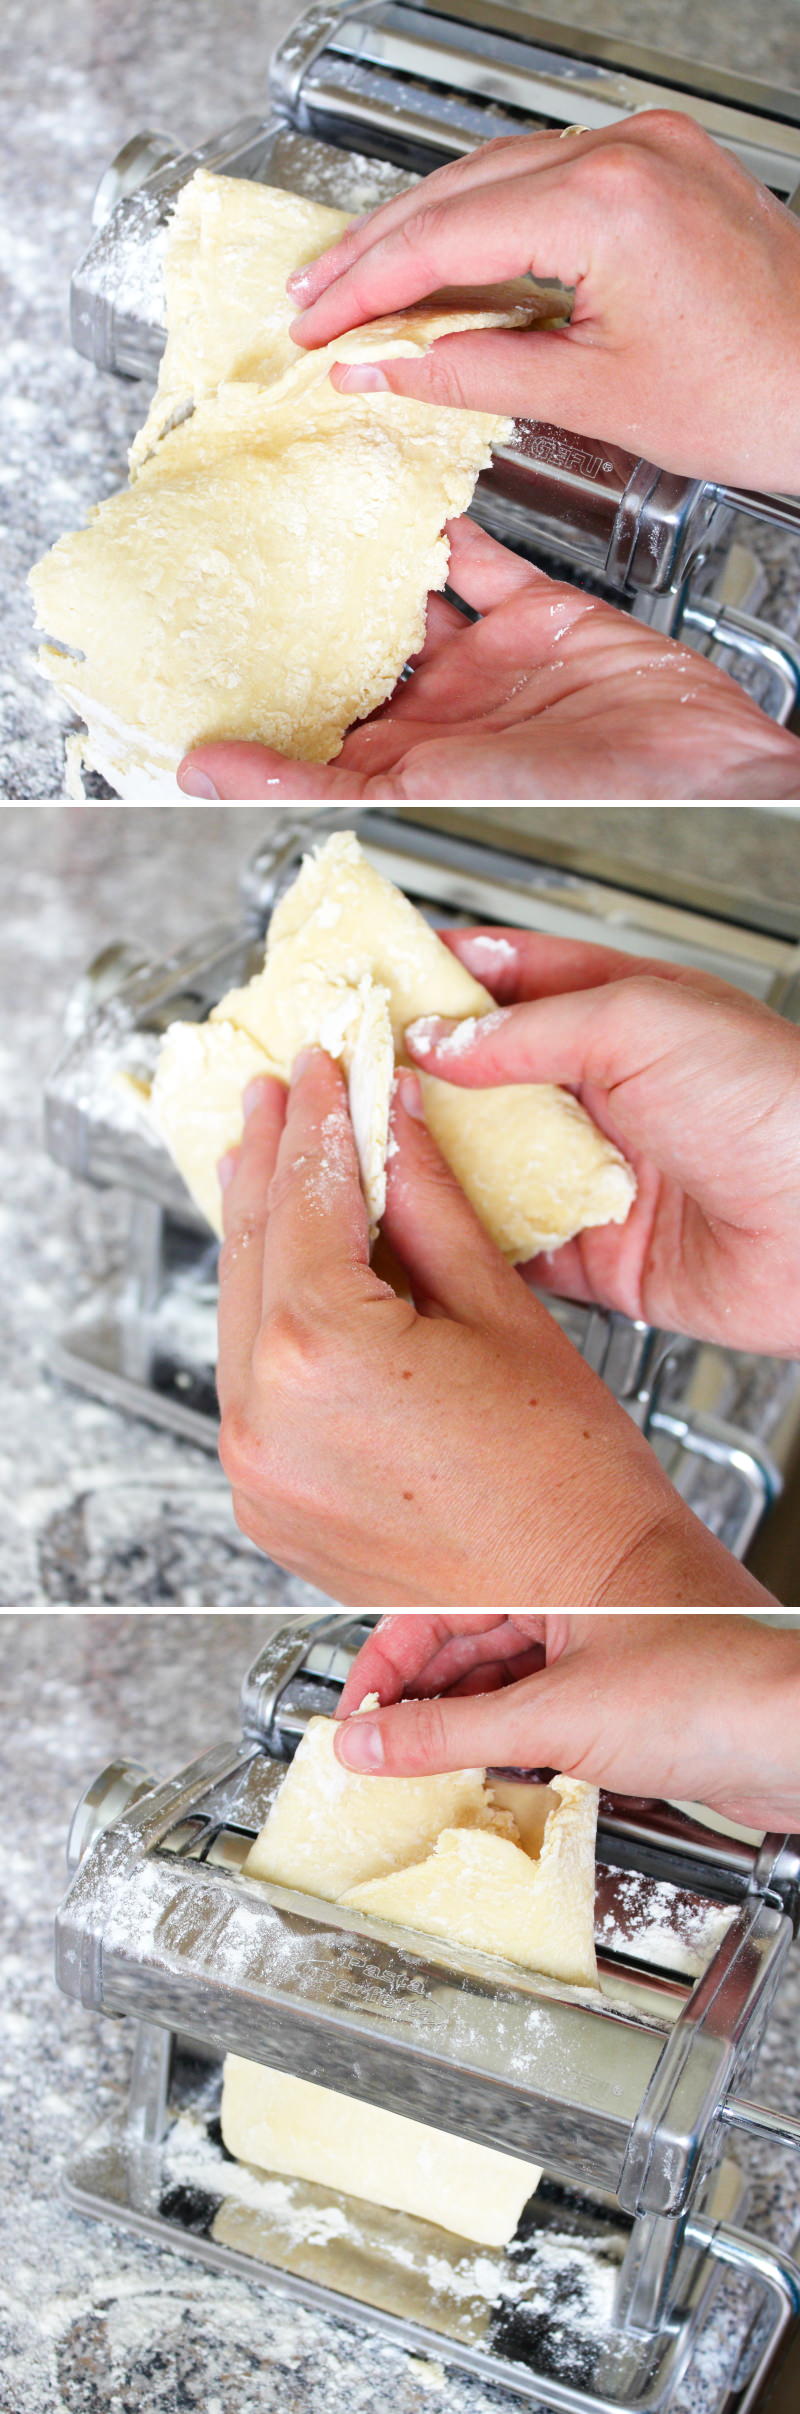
x=675 y=1563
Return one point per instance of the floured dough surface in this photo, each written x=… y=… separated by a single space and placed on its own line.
x=484 y=1890
x=535 y=1167
x=329 y=1828
x=203 y=1069
x=265 y=574
x=509 y=1873
x=291 y=2126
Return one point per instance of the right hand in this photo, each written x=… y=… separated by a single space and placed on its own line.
x=691 y=1709
x=697 y=1084
x=685 y=331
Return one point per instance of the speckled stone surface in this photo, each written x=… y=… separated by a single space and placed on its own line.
x=91 y=2320
x=77 y=83
x=100 y=1508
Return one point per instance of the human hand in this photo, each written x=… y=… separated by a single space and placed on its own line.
x=697 y=1084
x=694 y=1709
x=686 y=277
x=456 y=1449
x=550 y=693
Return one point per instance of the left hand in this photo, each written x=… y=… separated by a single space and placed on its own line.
x=457 y=1450
x=550 y=693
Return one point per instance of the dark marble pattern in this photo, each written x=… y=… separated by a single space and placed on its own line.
x=78 y=81
x=91 y=2320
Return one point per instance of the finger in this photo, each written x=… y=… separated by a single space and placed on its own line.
x=399 y=1648
x=521 y=964
x=443 y=622
x=470 y=1651
x=506 y=159
x=526 y=1725
x=484 y=572
x=590 y=1035
x=231 y=772
x=438 y=246
x=491 y=369
x=317 y=1231
x=244 y=1212
x=451 y=1262
x=509 y=155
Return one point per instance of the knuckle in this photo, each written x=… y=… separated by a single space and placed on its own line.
x=429 y=1734
x=443 y=383
x=421 y=234
x=623 y=176
x=236 y=1447
x=673 y=126
x=289 y=1349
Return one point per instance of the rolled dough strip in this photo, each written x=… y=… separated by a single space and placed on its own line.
x=303 y=2131
x=482 y=1890
x=266 y=574
x=328 y=1828
x=535 y=1167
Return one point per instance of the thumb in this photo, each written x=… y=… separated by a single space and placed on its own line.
x=231 y=771
x=521 y=1726
x=544 y=375
x=451 y=1262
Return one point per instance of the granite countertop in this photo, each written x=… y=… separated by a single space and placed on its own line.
x=93 y=2321
x=100 y=1508
x=78 y=83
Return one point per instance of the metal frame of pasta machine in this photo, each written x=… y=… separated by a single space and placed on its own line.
x=364 y=94
x=137 y=1345
x=624 y=2098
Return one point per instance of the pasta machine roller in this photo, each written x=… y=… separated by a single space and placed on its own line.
x=365 y=94
x=626 y=2097
x=148 y=1343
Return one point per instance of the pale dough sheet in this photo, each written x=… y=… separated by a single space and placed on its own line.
x=483 y=1890
x=444 y=1856
x=534 y=1165
x=293 y=2127
x=265 y=574
x=440 y=1854
x=330 y=1829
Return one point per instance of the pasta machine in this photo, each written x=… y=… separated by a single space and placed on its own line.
x=627 y=2097
x=147 y=1342
x=366 y=94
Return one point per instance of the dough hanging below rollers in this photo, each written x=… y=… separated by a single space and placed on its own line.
x=349 y=962
x=300 y=2130
x=265 y=573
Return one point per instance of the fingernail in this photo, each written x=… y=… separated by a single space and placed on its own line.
x=197 y=783
x=298 y=283
x=411 y=1096
x=227 y=1167
x=304 y=1058
x=427 y=1031
x=362 y=380
x=252 y=1096
x=360 y=1744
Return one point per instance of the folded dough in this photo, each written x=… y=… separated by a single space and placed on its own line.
x=329 y=1829
x=203 y=1069
x=308 y=2132
x=265 y=575
x=534 y=1165
x=509 y=1872
x=484 y=1890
